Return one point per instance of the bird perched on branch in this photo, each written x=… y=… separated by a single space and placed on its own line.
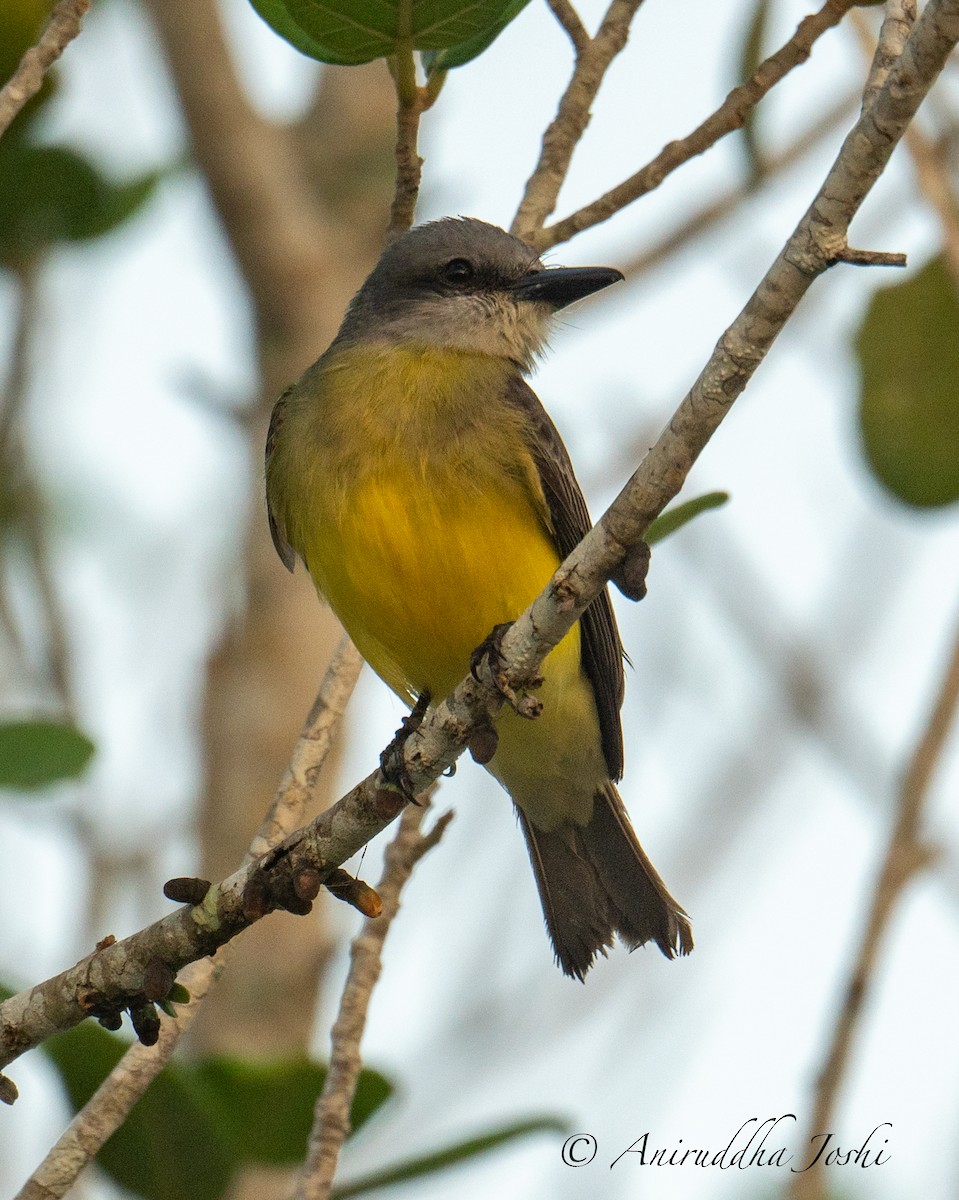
x=422 y=483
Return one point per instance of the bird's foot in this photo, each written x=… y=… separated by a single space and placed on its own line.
x=393 y=768
x=491 y=650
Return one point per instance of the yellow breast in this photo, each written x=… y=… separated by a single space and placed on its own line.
x=402 y=478
x=418 y=508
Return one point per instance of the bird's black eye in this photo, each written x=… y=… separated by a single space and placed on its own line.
x=458 y=271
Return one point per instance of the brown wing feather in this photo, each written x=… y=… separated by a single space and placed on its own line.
x=277 y=533
x=602 y=649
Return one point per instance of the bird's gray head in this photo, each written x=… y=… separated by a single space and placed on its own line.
x=466 y=285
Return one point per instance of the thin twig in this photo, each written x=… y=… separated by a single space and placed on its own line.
x=906 y=854
x=564 y=132
x=872 y=258
x=931 y=174
x=15 y=386
x=570 y=20
x=774 y=163
x=33 y=524
x=936 y=186
x=815 y=245
x=331 y=1125
x=409 y=164
x=62 y=27
x=29 y=503
x=730 y=115
x=110 y=1105
x=411 y=102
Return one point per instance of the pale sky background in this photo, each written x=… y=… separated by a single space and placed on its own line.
x=770 y=833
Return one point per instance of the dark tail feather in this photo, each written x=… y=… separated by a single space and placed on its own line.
x=594 y=881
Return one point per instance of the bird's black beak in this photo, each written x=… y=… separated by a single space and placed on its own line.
x=559 y=286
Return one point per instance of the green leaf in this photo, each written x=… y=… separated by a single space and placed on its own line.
x=450 y=1156
x=34 y=754
x=676 y=517
x=51 y=194
x=170 y=1146
x=464 y=52
x=275 y=13
x=266 y=1108
x=750 y=57
x=908 y=348
x=358 y=31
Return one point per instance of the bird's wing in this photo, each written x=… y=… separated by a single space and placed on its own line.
x=602 y=650
x=277 y=532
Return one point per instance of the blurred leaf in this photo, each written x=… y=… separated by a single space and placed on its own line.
x=169 y=1147
x=675 y=518
x=266 y=1108
x=51 y=194
x=750 y=57
x=34 y=754
x=357 y=31
x=464 y=52
x=441 y=1160
x=908 y=348
x=197 y=1123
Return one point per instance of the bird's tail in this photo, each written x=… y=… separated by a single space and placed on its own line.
x=595 y=880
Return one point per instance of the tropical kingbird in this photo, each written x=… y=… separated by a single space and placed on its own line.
x=428 y=493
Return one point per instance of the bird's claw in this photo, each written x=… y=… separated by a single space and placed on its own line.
x=491 y=650
x=393 y=761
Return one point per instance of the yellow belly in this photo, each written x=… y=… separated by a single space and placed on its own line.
x=420 y=578
x=427 y=574
x=421 y=549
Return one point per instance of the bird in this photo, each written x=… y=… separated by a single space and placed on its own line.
x=418 y=477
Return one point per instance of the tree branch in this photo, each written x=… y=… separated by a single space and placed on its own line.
x=411 y=102
x=62 y=27
x=898 y=20
x=110 y=1105
x=716 y=211
x=818 y=241
x=331 y=1125
x=570 y=20
x=409 y=165
x=931 y=175
x=593 y=58
x=905 y=855
x=730 y=115
x=23 y=488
